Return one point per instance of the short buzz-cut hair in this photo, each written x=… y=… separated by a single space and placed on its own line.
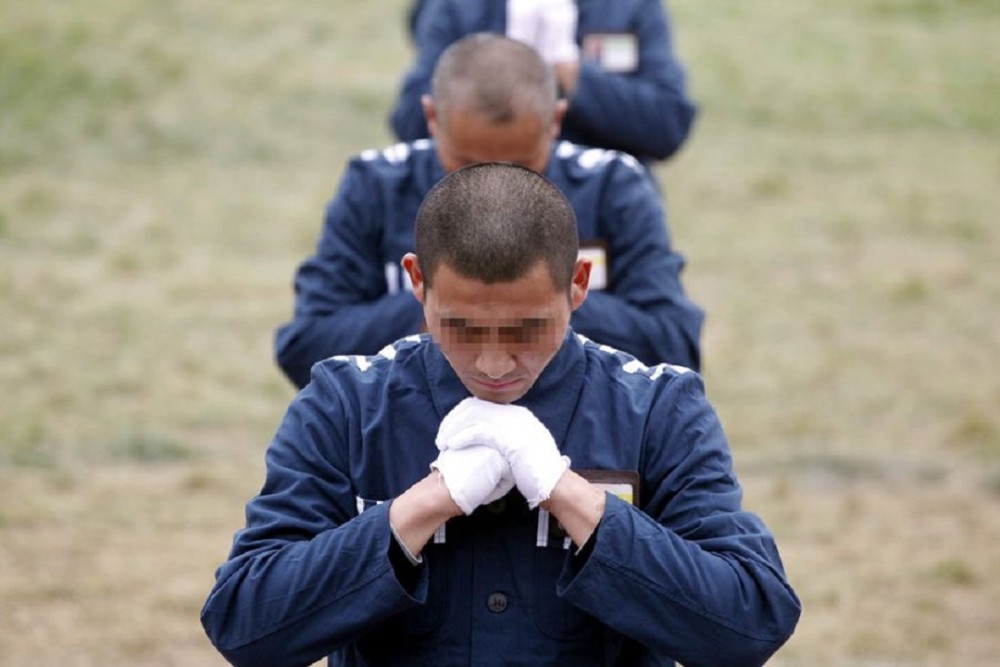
x=493 y=222
x=493 y=76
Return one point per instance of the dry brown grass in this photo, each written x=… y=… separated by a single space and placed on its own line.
x=163 y=168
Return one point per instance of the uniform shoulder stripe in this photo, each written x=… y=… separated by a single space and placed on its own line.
x=397 y=153
x=387 y=353
x=593 y=159
x=630 y=364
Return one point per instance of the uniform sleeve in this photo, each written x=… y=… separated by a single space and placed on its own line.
x=645 y=312
x=307 y=574
x=433 y=32
x=692 y=576
x=341 y=300
x=647 y=112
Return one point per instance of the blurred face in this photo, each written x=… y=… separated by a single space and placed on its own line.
x=464 y=138
x=498 y=338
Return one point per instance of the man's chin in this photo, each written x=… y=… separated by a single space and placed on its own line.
x=506 y=392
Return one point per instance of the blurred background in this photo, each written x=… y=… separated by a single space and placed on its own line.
x=164 y=168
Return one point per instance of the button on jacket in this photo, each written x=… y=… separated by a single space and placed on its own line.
x=352 y=298
x=688 y=576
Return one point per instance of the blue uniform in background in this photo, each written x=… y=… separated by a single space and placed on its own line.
x=687 y=575
x=352 y=296
x=413 y=17
x=644 y=110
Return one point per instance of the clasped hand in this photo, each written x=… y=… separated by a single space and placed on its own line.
x=488 y=448
x=549 y=26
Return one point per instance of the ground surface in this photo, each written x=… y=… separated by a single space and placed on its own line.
x=163 y=169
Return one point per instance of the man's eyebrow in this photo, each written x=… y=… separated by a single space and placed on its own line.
x=525 y=323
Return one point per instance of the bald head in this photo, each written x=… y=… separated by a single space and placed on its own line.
x=495 y=77
x=493 y=222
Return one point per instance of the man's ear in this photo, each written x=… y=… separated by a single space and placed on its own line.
x=430 y=113
x=580 y=283
x=411 y=265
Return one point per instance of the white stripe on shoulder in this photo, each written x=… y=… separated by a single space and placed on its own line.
x=630 y=161
x=388 y=353
x=397 y=153
x=607 y=349
x=358 y=360
x=593 y=158
x=632 y=365
x=654 y=372
x=566 y=149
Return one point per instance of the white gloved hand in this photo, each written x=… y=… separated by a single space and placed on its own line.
x=514 y=432
x=524 y=19
x=557 y=36
x=474 y=476
x=548 y=26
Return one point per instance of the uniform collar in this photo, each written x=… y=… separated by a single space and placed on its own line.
x=436 y=172
x=552 y=398
x=432 y=175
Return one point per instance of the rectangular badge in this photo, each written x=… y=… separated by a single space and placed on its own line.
x=598 y=257
x=621 y=483
x=612 y=52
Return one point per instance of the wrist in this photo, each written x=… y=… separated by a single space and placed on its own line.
x=567 y=77
x=445 y=504
x=578 y=505
x=420 y=510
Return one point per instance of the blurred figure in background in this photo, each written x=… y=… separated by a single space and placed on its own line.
x=494 y=100
x=413 y=17
x=614 y=62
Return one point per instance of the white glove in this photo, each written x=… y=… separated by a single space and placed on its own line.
x=557 y=42
x=524 y=20
x=514 y=432
x=474 y=476
x=548 y=26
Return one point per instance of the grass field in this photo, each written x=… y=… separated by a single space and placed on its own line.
x=163 y=169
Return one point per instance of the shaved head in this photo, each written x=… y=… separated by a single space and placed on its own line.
x=493 y=222
x=493 y=76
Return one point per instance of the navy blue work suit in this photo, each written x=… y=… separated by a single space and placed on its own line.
x=352 y=296
x=644 y=111
x=686 y=575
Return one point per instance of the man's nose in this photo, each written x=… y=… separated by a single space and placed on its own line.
x=494 y=364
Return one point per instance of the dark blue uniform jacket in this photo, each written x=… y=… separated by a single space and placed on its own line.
x=687 y=575
x=645 y=112
x=352 y=297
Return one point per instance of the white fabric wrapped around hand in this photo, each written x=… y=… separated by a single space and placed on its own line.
x=474 y=476
x=548 y=26
x=524 y=19
x=516 y=434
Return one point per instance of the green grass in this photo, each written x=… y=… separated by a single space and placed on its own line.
x=164 y=167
